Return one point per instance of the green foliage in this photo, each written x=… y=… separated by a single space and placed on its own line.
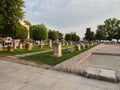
x=68 y=37
x=21 y=32
x=27 y=22
x=109 y=30
x=60 y=35
x=10 y=14
x=39 y=32
x=53 y=35
x=89 y=35
x=100 y=33
x=72 y=37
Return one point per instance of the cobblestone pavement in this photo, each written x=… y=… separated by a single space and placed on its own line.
x=14 y=76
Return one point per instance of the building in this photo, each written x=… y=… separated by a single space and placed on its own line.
x=28 y=28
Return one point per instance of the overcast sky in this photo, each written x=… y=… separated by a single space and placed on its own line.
x=71 y=15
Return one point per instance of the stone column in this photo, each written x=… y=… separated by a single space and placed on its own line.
x=66 y=43
x=50 y=43
x=63 y=43
x=1 y=47
x=82 y=45
x=87 y=45
x=9 y=48
x=77 y=46
x=57 y=49
x=41 y=44
x=29 y=46
x=14 y=45
x=20 y=46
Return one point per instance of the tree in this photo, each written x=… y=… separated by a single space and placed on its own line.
x=21 y=32
x=10 y=14
x=72 y=37
x=60 y=35
x=68 y=37
x=110 y=29
x=39 y=32
x=53 y=35
x=89 y=35
x=100 y=33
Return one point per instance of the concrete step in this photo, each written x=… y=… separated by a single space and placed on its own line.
x=101 y=74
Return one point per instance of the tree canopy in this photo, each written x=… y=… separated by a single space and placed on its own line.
x=109 y=30
x=53 y=35
x=21 y=32
x=39 y=32
x=72 y=37
x=89 y=35
x=10 y=14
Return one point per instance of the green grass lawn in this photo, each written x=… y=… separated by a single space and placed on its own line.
x=46 y=58
x=23 y=51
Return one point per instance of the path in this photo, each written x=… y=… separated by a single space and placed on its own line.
x=100 y=62
x=15 y=76
x=72 y=64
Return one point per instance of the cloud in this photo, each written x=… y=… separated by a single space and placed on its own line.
x=71 y=15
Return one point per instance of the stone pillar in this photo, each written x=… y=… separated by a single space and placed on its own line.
x=50 y=43
x=87 y=45
x=29 y=46
x=10 y=48
x=82 y=45
x=41 y=44
x=57 y=49
x=66 y=43
x=20 y=46
x=14 y=45
x=1 y=48
x=77 y=46
x=71 y=43
x=63 y=43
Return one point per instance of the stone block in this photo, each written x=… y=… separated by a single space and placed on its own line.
x=77 y=47
x=50 y=43
x=57 y=49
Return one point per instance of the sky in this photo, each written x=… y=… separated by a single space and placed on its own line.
x=71 y=15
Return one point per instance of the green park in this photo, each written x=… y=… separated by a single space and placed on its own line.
x=53 y=45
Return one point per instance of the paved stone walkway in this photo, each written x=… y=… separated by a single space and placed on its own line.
x=29 y=54
x=72 y=64
x=104 y=62
x=15 y=76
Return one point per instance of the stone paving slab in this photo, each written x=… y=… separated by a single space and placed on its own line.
x=15 y=76
x=72 y=64
x=79 y=63
x=102 y=74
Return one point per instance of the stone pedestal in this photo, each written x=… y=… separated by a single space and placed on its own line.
x=77 y=46
x=82 y=45
x=87 y=45
x=10 y=49
x=41 y=45
x=63 y=43
x=57 y=50
x=66 y=43
x=29 y=46
x=50 y=43
x=14 y=46
x=20 y=46
x=1 y=48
